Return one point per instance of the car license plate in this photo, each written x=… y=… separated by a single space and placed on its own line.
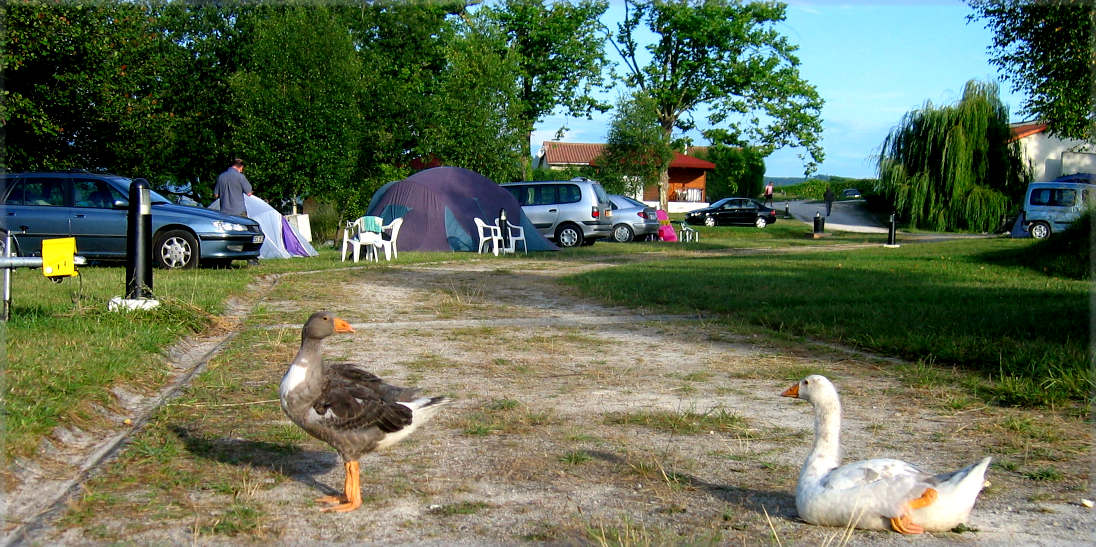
x=256 y=239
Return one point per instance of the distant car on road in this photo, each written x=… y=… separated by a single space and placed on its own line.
x=94 y=208
x=632 y=219
x=850 y=193
x=743 y=211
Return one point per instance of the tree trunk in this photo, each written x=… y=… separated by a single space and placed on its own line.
x=664 y=189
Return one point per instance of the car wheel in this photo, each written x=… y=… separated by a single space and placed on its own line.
x=1040 y=230
x=709 y=221
x=175 y=249
x=569 y=235
x=622 y=233
x=761 y=222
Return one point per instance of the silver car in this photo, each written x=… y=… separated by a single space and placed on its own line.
x=632 y=219
x=572 y=212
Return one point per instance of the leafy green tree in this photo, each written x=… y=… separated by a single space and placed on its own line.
x=953 y=167
x=475 y=117
x=728 y=57
x=561 y=56
x=739 y=170
x=73 y=76
x=402 y=48
x=637 y=151
x=296 y=100
x=1047 y=49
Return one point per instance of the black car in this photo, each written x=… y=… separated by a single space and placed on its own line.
x=93 y=208
x=743 y=211
x=850 y=193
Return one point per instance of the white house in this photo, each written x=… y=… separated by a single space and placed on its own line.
x=1050 y=157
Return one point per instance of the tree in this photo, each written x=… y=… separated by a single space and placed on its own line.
x=72 y=77
x=728 y=57
x=296 y=100
x=953 y=167
x=739 y=170
x=1047 y=49
x=637 y=151
x=475 y=116
x=560 y=55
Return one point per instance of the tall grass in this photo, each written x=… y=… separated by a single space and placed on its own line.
x=1027 y=333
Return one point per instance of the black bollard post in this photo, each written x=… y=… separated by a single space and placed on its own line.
x=819 y=223
x=504 y=228
x=890 y=231
x=139 y=241
x=787 y=210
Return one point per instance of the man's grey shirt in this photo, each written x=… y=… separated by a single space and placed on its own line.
x=231 y=188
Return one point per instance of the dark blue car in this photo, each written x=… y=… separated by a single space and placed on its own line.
x=93 y=209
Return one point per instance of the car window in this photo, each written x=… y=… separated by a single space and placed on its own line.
x=43 y=191
x=12 y=193
x=570 y=193
x=94 y=193
x=1053 y=197
x=599 y=191
x=544 y=194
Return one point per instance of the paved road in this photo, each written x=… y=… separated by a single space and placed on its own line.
x=845 y=216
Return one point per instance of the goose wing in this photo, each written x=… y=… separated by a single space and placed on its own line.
x=353 y=398
x=881 y=485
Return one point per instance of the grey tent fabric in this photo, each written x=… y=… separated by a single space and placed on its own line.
x=438 y=205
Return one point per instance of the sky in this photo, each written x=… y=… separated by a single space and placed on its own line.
x=872 y=61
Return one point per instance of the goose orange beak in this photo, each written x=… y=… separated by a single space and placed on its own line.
x=791 y=391
x=342 y=326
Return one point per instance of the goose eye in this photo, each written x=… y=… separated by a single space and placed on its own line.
x=805 y=382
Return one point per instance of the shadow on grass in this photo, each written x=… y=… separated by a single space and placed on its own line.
x=778 y=504
x=285 y=459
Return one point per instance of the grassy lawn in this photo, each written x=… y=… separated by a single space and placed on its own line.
x=945 y=304
x=938 y=303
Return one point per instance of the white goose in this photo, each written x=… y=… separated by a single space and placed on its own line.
x=876 y=494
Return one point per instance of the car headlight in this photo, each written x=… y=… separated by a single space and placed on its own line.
x=226 y=226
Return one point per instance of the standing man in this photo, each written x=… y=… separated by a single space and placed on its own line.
x=769 y=193
x=231 y=188
x=829 y=200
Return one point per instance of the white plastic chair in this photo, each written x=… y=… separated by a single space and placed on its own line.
x=688 y=233
x=355 y=235
x=389 y=245
x=515 y=234
x=488 y=234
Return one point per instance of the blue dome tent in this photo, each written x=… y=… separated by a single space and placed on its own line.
x=438 y=205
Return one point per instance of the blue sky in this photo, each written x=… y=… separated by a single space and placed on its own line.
x=871 y=61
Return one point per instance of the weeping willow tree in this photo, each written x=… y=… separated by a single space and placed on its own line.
x=953 y=167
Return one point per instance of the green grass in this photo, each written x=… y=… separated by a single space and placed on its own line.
x=945 y=303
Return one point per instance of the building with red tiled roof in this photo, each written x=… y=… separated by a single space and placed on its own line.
x=688 y=174
x=1050 y=157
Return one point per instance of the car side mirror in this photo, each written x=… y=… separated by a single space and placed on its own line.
x=121 y=204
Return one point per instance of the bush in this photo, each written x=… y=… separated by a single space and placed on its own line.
x=1065 y=254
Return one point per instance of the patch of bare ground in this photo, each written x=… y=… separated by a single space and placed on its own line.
x=588 y=425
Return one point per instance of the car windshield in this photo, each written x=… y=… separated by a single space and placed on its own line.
x=154 y=197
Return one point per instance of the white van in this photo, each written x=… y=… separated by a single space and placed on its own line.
x=1052 y=206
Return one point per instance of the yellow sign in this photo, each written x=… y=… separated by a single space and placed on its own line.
x=58 y=257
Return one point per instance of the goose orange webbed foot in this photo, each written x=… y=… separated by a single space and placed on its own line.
x=904 y=524
x=352 y=498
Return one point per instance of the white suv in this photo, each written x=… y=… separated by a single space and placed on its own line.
x=573 y=212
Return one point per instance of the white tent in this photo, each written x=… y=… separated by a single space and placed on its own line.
x=282 y=239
